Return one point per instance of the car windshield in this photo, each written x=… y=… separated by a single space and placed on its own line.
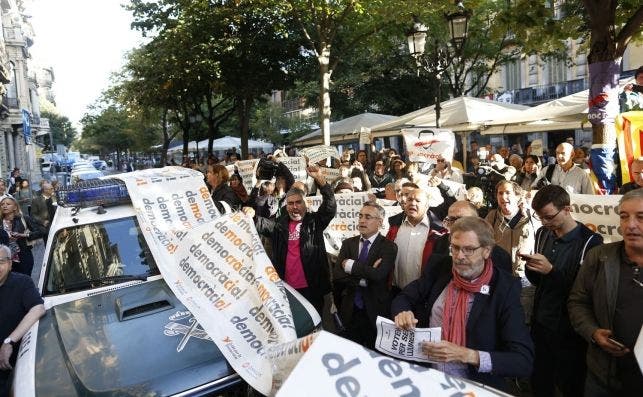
x=93 y=255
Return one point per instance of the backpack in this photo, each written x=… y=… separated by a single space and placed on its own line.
x=546 y=180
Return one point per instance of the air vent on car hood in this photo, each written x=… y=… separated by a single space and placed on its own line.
x=142 y=302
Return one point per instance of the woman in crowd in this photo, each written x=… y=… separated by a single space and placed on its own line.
x=24 y=197
x=398 y=169
x=236 y=183
x=18 y=232
x=218 y=180
x=528 y=175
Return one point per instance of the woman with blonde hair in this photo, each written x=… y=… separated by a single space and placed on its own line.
x=19 y=231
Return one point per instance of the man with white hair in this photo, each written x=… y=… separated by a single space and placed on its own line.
x=566 y=174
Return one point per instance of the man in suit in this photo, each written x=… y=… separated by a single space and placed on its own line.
x=477 y=306
x=42 y=207
x=361 y=274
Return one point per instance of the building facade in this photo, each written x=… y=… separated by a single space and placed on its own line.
x=20 y=120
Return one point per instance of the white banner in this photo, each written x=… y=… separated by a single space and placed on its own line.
x=318 y=153
x=216 y=266
x=537 y=147
x=599 y=213
x=404 y=344
x=331 y=174
x=334 y=366
x=425 y=145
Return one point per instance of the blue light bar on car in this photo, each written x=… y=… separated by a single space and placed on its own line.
x=93 y=193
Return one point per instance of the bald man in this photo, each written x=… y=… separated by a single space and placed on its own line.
x=635 y=169
x=567 y=174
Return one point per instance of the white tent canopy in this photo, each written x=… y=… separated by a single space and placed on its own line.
x=347 y=129
x=225 y=143
x=457 y=114
x=559 y=114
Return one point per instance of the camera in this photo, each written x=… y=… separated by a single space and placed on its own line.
x=637 y=88
x=267 y=169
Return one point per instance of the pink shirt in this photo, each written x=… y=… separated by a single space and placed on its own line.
x=295 y=276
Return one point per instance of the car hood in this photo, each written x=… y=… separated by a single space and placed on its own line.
x=138 y=340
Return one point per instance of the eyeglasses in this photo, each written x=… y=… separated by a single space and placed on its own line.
x=5 y=260
x=367 y=217
x=450 y=219
x=547 y=218
x=466 y=251
x=440 y=160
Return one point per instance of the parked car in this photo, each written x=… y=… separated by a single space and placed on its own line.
x=100 y=165
x=113 y=327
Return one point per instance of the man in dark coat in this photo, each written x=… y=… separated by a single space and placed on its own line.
x=484 y=336
x=298 y=248
x=361 y=274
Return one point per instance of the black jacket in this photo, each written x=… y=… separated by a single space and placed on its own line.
x=312 y=247
x=224 y=192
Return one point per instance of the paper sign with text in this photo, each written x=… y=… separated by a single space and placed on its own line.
x=425 y=145
x=333 y=366
x=296 y=165
x=316 y=154
x=216 y=266
x=404 y=344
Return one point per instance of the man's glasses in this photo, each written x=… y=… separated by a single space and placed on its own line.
x=466 y=251
x=5 y=260
x=440 y=160
x=547 y=218
x=450 y=219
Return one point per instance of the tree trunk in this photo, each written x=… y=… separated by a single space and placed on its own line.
x=166 y=140
x=604 y=71
x=244 y=124
x=324 y=95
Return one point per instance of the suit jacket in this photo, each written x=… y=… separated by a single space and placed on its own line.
x=39 y=210
x=496 y=322
x=375 y=294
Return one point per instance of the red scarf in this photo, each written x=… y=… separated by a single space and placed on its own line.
x=454 y=318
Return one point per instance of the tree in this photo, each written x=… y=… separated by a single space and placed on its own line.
x=62 y=131
x=107 y=128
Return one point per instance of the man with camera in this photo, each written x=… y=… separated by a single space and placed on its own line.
x=299 y=253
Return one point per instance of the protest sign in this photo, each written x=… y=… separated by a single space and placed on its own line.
x=460 y=189
x=247 y=170
x=365 y=136
x=404 y=344
x=537 y=147
x=599 y=213
x=425 y=145
x=216 y=266
x=333 y=366
x=331 y=174
x=296 y=165
x=318 y=153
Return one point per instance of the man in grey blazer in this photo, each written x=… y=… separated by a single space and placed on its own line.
x=361 y=275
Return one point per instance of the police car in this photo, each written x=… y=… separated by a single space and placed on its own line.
x=112 y=326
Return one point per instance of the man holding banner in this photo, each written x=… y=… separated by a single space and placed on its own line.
x=484 y=336
x=361 y=275
x=299 y=253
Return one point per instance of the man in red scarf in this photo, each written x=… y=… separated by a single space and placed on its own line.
x=484 y=336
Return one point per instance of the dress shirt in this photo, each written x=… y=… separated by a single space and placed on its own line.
x=410 y=241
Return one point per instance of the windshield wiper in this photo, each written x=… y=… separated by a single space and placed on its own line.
x=98 y=282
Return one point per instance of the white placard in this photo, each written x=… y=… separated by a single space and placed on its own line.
x=404 y=344
x=334 y=366
x=365 y=136
x=638 y=350
x=296 y=165
x=318 y=153
x=247 y=170
x=216 y=266
x=426 y=145
x=537 y=147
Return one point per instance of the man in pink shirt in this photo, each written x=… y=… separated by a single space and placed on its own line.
x=299 y=253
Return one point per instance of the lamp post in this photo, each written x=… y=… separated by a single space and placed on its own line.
x=440 y=59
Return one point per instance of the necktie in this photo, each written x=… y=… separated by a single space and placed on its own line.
x=363 y=257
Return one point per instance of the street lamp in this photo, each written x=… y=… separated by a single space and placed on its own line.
x=441 y=58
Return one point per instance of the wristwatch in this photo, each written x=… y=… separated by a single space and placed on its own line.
x=8 y=341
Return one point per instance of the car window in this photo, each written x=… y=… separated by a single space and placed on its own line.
x=86 y=256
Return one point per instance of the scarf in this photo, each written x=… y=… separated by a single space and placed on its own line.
x=459 y=290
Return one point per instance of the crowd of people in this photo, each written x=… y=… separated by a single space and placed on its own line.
x=511 y=286
x=524 y=293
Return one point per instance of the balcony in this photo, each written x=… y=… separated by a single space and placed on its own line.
x=543 y=93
